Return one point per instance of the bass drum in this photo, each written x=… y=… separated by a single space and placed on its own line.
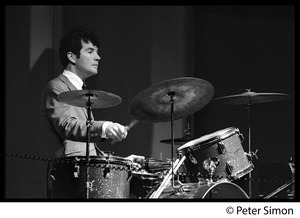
x=109 y=177
x=215 y=190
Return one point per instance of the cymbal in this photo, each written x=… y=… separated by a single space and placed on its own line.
x=154 y=103
x=178 y=141
x=251 y=98
x=98 y=99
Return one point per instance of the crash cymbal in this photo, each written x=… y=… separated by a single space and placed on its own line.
x=178 y=141
x=154 y=103
x=250 y=98
x=98 y=99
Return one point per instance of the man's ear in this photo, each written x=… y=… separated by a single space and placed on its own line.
x=71 y=56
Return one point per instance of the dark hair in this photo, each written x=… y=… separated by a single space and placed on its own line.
x=72 y=42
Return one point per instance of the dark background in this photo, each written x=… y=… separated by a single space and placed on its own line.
x=233 y=47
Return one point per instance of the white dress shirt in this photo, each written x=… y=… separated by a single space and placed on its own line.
x=74 y=79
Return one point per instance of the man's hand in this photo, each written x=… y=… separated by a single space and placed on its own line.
x=137 y=160
x=115 y=131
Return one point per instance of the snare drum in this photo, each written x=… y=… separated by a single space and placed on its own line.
x=142 y=183
x=215 y=190
x=109 y=177
x=217 y=155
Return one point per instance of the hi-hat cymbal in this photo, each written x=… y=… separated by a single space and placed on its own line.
x=97 y=98
x=154 y=103
x=250 y=98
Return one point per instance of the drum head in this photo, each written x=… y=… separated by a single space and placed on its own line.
x=209 y=138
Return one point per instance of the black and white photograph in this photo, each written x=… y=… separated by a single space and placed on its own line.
x=151 y=103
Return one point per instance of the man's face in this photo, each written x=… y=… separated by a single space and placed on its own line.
x=87 y=63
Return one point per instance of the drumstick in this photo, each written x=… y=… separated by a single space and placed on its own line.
x=131 y=124
x=179 y=164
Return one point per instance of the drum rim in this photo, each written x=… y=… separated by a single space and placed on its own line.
x=148 y=175
x=209 y=187
x=243 y=172
x=224 y=182
x=229 y=132
x=98 y=159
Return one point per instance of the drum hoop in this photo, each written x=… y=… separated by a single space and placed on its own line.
x=245 y=171
x=224 y=182
x=230 y=132
x=97 y=160
x=146 y=175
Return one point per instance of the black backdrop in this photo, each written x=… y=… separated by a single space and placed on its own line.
x=239 y=48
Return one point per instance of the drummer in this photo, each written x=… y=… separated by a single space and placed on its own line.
x=66 y=125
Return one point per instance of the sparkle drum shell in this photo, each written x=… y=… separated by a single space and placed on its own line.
x=109 y=177
x=224 y=149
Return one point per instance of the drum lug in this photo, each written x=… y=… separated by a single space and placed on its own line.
x=221 y=146
x=52 y=173
x=229 y=167
x=129 y=175
x=106 y=171
x=76 y=171
x=251 y=164
x=192 y=159
x=52 y=177
x=241 y=136
x=90 y=185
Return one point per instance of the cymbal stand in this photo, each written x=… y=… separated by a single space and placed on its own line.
x=250 y=153
x=248 y=108
x=88 y=124
x=171 y=95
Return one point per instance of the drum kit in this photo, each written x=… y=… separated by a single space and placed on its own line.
x=211 y=162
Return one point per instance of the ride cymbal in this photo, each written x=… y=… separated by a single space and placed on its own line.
x=96 y=98
x=250 y=98
x=187 y=93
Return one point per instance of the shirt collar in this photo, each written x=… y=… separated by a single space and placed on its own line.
x=74 y=79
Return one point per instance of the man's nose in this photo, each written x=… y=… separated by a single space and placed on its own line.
x=98 y=58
